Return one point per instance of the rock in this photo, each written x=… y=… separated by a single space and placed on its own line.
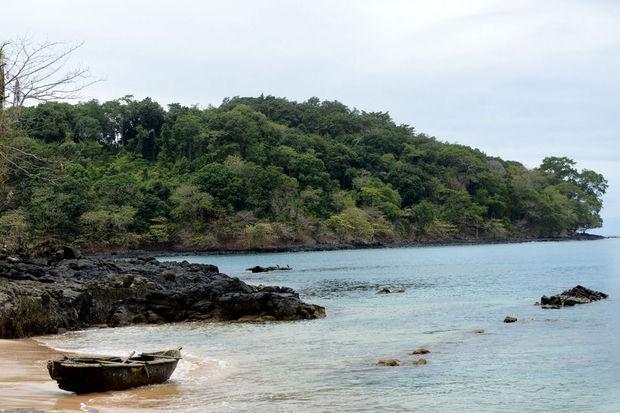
x=419 y=362
x=479 y=331
x=258 y=268
x=388 y=362
x=41 y=297
x=569 y=298
x=386 y=290
x=420 y=350
x=66 y=253
x=168 y=276
x=510 y=319
x=128 y=281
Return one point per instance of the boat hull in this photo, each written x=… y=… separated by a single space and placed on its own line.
x=96 y=375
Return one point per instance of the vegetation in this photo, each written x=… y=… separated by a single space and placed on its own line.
x=264 y=172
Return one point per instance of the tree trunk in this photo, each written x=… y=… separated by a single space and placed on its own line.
x=2 y=85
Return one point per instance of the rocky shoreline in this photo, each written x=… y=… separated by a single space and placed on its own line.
x=49 y=296
x=157 y=251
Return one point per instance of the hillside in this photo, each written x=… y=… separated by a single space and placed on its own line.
x=266 y=172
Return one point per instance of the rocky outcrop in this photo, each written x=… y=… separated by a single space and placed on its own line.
x=258 y=268
x=41 y=296
x=510 y=319
x=574 y=296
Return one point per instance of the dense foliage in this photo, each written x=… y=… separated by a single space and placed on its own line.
x=263 y=172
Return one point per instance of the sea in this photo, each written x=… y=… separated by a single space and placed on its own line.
x=454 y=302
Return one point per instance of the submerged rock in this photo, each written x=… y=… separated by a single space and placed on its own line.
x=386 y=290
x=420 y=350
x=258 y=268
x=48 y=296
x=479 y=331
x=574 y=296
x=419 y=362
x=388 y=362
x=510 y=319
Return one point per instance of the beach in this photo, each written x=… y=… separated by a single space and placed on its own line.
x=25 y=383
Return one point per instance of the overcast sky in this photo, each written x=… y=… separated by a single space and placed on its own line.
x=518 y=79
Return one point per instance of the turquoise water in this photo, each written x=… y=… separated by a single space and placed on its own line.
x=560 y=360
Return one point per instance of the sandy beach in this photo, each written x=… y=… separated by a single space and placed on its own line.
x=25 y=383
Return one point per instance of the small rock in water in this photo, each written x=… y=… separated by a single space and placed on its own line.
x=419 y=362
x=479 y=331
x=384 y=290
x=258 y=268
x=388 y=362
x=510 y=319
x=399 y=290
x=420 y=350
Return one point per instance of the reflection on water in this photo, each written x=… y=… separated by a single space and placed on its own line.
x=550 y=359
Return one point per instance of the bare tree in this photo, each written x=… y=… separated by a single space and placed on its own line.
x=38 y=72
x=33 y=72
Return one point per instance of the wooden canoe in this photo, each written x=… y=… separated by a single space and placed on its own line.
x=94 y=374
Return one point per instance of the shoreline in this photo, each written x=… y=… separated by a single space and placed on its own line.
x=142 y=252
x=25 y=384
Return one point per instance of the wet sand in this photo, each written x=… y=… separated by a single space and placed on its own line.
x=25 y=383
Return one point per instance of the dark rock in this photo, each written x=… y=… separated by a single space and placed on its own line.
x=388 y=362
x=569 y=298
x=258 y=268
x=420 y=350
x=43 y=298
x=66 y=253
x=168 y=276
x=510 y=319
x=385 y=290
x=128 y=281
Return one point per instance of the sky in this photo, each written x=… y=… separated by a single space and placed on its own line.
x=518 y=79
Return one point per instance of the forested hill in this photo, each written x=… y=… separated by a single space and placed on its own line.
x=267 y=172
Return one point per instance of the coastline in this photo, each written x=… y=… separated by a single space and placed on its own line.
x=172 y=251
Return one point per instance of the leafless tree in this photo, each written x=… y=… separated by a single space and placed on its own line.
x=33 y=72
x=38 y=72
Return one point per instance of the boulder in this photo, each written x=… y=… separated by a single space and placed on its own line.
x=510 y=319
x=419 y=362
x=388 y=362
x=574 y=296
x=66 y=253
x=420 y=350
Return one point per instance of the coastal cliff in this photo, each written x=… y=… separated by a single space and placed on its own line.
x=43 y=296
